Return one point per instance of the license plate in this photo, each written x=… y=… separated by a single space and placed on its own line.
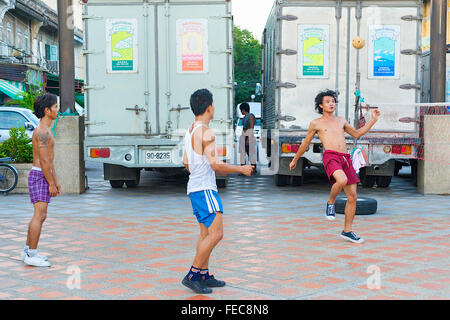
x=158 y=156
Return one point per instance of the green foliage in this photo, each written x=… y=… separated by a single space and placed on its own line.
x=18 y=146
x=247 y=65
x=27 y=98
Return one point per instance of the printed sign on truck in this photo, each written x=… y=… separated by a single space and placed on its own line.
x=121 y=44
x=384 y=51
x=192 y=46
x=314 y=44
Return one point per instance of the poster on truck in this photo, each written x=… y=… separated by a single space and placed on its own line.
x=121 y=44
x=313 y=48
x=192 y=46
x=384 y=51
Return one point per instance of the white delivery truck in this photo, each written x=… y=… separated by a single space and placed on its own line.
x=308 y=47
x=143 y=61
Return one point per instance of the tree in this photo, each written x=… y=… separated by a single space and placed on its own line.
x=247 y=65
x=26 y=98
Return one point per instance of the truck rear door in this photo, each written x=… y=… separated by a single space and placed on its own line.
x=385 y=67
x=120 y=47
x=326 y=59
x=195 y=52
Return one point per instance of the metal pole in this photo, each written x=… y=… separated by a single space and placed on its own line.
x=438 y=50
x=66 y=56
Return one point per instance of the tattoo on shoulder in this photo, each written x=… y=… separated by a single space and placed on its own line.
x=43 y=138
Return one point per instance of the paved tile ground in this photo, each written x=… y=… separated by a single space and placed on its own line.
x=139 y=243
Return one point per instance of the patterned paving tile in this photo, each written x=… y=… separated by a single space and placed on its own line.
x=277 y=243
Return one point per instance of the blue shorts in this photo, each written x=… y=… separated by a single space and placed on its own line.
x=205 y=205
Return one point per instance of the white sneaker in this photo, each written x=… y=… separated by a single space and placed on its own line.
x=36 y=261
x=24 y=254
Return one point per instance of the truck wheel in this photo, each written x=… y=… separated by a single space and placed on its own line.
x=116 y=183
x=297 y=180
x=364 y=205
x=366 y=181
x=281 y=180
x=383 y=181
x=221 y=183
x=134 y=183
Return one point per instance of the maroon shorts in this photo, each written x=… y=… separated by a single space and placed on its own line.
x=38 y=186
x=333 y=160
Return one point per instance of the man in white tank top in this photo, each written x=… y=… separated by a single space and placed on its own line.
x=201 y=161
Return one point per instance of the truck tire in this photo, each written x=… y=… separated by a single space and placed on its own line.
x=134 y=183
x=116 y=183
x=366 y=181
x=297 y=180
x=281 y=180
x=364 y=205
x=221 y=183
x=383 y=181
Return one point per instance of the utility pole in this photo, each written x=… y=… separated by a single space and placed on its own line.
x=66 y=56
x=438 y=50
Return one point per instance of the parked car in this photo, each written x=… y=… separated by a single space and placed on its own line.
x=15 y=117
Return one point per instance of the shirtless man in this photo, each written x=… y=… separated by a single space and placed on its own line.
x=202 y=162
x=247 y=141
x=336 y=160
x=42 y=181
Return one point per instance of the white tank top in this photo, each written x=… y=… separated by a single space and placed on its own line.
x=202 y=176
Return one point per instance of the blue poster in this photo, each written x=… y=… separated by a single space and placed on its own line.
x=384 y=51
x=384 y=58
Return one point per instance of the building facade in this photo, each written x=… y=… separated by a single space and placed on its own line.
x=29 y=50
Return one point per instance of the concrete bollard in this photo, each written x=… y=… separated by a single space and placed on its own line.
x=433 y=173
x=69 y=154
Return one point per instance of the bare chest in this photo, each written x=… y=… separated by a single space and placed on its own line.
x=331 y=128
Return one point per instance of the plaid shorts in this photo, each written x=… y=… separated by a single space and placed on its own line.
x=38 y=186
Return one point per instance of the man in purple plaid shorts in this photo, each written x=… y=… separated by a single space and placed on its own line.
x=42 y=181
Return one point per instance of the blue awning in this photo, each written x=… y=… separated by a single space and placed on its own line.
x=10 y=90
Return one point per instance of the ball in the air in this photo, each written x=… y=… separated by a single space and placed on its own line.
x=358 y=43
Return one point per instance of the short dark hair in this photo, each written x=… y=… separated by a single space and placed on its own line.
x=42 y=102
x=319 y=98
x=200 y=101
x=245 y=107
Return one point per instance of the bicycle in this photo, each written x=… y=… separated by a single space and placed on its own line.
x=8 y=176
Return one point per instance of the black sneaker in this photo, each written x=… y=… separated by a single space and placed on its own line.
x=212 y=282
x=196 y=286
x=351 y=237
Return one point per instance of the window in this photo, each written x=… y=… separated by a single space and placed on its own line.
x=26 y=37
x=9 y=34
x=19 y=38
x=11 y=119
x=47 y=52
x=31 y=117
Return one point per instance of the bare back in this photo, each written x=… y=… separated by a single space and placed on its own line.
x=331 y=133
